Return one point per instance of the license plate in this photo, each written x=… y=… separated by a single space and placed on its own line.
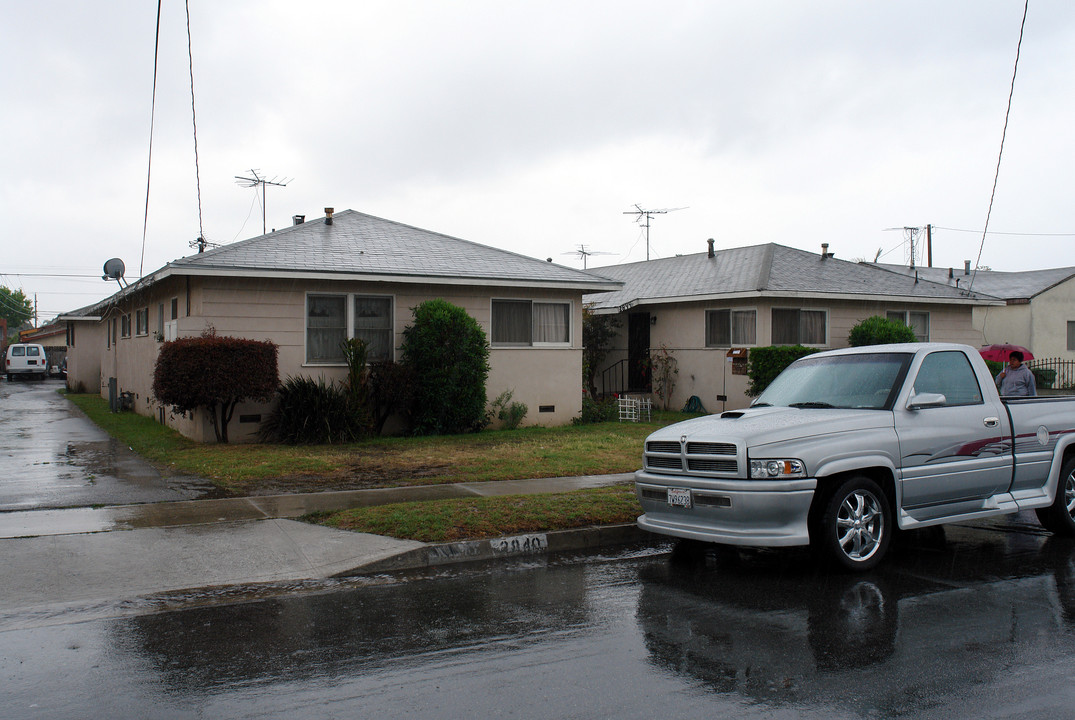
x=679 y=497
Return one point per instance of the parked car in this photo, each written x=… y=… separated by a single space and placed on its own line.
x=845 y=446
x=26 y=359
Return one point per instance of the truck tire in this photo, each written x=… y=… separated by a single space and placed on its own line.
x=855 y=526
x=1059 y=518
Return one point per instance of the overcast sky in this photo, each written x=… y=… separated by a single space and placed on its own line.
x=534 y=126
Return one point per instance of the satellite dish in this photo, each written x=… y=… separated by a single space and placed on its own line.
x=114 y=269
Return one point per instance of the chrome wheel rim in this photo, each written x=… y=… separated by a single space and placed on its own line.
x=860 y=524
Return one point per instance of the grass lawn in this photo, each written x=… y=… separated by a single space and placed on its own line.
x=489 y=517
x=251 y=469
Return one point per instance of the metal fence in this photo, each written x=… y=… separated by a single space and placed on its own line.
x=1053 y=373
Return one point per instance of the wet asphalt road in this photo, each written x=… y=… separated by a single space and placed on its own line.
x=977 y=622
x=53 y=457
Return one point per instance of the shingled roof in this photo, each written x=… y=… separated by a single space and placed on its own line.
x=359 y=246
x=769 y=270
x=1010 y=286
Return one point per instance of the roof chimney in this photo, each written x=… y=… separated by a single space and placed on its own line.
x=825 y=254
x=966 y=267
x=711 y=253
x=328 y=216
x=298 y=219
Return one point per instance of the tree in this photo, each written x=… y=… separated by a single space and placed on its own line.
x=877 y=330
x=15 y=307
x=215 y=372
x=598 y=332
x=448 y=355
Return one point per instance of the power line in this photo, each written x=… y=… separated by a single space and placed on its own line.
x=194 y=122
x=1000 y=154
x=152 y=116
x=997 y=232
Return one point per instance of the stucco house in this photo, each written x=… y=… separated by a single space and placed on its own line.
x=1038 y=311
x=709 y=309
x=309 y=286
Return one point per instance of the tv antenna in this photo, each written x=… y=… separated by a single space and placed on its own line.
x=583 y=253
x=263 y=181
x=648 y=214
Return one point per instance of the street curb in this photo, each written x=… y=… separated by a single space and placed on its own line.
x=531 y=544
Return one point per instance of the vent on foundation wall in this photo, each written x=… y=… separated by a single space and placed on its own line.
x=546 y=408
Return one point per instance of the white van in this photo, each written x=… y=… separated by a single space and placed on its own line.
x=26 y=359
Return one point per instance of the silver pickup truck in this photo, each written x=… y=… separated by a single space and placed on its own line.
x=847 y=445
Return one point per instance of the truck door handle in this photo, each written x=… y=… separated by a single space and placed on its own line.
x=991 y=421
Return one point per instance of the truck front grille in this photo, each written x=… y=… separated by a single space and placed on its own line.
x=665 y=463
x=712 y=465
x=710 y=448
x=702 y=458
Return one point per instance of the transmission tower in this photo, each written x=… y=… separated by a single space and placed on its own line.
x=648 y=214
x=263 y=181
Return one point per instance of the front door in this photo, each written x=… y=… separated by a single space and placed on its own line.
x=638 y=352
x=960 y=451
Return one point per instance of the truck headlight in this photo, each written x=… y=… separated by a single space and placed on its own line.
x=777 y=469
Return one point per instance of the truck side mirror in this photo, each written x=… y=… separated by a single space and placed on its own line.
x=926 y=400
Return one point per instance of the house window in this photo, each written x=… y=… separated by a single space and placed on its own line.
x=326 y=328
x=917 y=321
x=125 y=326
x=160 y=321
x=792 y=326
x=523 y=322
x=141 y=321
x=724 y=328
x=175 y=308
x=373 y=325
x=71 y=334
x=328 y=325
x=1071 y=335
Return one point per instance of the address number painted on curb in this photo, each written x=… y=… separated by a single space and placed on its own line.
x=520 y=544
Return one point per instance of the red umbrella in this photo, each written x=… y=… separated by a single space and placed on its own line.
x=999 y=352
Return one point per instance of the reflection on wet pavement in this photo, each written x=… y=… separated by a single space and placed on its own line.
x=975 y=624
x=54 y=457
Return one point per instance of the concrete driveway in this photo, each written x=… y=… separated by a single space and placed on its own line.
x=54 y=457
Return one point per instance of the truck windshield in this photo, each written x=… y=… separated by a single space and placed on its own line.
x=866 y=381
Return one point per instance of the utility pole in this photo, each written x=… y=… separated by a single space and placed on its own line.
x=263 y=181
x=929 y=245
x=640 y=213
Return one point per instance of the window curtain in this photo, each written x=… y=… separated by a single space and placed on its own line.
x=552 y=322
x=812 y=327
x=745 y=327
x=326 y=328
x=511 y=322
x=717 y=328
x=785 y=326
x=920 y=325
x=373 y=325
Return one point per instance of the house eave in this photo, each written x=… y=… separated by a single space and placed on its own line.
x=585 y=287
x=791 y=295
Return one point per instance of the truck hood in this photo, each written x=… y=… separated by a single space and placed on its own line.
x=760 y=426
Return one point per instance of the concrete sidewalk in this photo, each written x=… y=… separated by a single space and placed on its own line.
x=90 y=555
